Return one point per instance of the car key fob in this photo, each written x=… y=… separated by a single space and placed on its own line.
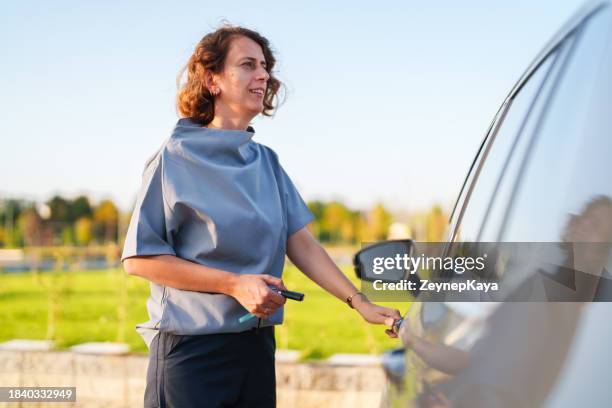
x=396 y=325
x=292 y=295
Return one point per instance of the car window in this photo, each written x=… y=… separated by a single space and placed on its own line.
x=567 y=166
x=555 y=169
x=495 y=155
x=500 y=197
x=463 y=192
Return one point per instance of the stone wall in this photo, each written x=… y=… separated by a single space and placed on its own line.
x=118 y=381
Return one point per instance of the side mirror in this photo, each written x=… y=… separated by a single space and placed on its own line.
x=368 y=266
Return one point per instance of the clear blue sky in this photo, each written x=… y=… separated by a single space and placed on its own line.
x=386 y=101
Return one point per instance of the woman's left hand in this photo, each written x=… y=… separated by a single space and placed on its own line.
x=377 y=314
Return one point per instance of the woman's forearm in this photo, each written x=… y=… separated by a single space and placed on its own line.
x=310 y=258
x=441 y=357
x=178 y=273
x=306 y=253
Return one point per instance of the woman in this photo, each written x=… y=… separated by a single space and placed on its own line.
x=215 y=216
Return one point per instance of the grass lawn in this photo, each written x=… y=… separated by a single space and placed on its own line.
x=105 y=305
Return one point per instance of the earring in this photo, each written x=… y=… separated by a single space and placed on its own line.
x=216 y=91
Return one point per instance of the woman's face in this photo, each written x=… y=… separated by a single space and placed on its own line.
x=243 y=82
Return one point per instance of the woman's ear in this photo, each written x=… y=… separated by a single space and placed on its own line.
x=210 y=82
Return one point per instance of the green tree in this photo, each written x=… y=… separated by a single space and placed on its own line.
x=350 y=230
x=361 y=227
x=379 y=222
x=335 y=216
x=436 y=224
x=29 y=224
x=79 y=208
x=59 y=219
x=106 y=216
x=60 y=210
x=10 y=210
x=83 y=230
x=68 y=235
x=316 y=207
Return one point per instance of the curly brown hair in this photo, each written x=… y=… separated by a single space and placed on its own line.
x=194 y=100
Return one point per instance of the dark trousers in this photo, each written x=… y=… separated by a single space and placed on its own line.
x=213 y=370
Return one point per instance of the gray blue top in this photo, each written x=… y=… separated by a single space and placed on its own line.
x=217 y=198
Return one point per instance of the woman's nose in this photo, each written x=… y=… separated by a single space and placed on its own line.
x=263 y=74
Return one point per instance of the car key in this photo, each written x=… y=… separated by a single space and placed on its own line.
x=292 y=295
x=288 y=294
x=396 y=325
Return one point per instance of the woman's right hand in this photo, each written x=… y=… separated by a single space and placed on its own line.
x=253 y=292
x=406 y=335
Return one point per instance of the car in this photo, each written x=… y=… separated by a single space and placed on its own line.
x=540 y=178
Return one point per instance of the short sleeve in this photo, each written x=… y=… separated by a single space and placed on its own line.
x=298 y=213
x=147 y=234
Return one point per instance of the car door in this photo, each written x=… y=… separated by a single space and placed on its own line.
x=564 y=194
x=503 y=194
x=437 y=322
